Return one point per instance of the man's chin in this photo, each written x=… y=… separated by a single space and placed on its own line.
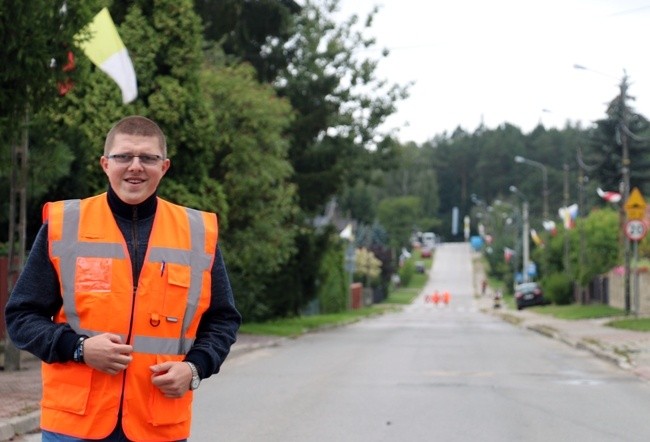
x=133 y=198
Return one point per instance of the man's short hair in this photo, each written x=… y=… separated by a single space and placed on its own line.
x=136 y=125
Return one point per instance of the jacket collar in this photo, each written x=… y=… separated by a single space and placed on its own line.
x=145 y=209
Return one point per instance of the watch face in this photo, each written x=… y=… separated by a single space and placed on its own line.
x=195 y=384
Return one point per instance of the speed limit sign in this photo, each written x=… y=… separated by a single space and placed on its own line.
x=635 y=229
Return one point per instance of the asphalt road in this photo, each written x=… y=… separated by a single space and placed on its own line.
x=431 y=372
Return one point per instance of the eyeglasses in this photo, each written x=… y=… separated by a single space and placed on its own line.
x=125 y=158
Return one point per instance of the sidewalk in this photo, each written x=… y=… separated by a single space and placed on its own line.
x=630 y=350
x=21 y=391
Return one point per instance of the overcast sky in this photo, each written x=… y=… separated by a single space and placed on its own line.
x=499 y=61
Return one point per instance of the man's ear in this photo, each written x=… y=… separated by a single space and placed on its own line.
x=103 y=161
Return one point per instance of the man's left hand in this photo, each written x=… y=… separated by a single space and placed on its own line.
x=172 y=378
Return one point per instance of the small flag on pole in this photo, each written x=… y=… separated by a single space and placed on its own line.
x=568 y=215
x=610 y=197
x=106 y=50
x=536 y=238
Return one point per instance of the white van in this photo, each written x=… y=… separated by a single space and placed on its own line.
x=429 y=239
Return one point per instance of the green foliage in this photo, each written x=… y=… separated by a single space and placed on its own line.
x=33 y=49
x=266 y=164
x=406 y=272
x=339 y=102
x=413 y=174
x=251 y=165
x=243 y=29
x=399 y=216
x=622 y=129
x=367 y=267
x=558 y=288
x=298 y=325
x=577 y=312
x=636 y=324
x=601 y=239
x=403 y=295
x=332 y=290
x=34 y=43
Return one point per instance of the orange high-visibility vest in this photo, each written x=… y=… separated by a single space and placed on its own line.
x=159 y=316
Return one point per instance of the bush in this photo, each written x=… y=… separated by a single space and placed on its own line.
x=558 y=288
x=406 y=272
x=332 y=289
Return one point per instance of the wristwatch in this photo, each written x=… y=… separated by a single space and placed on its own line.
x=78 y=355
x=196 y=380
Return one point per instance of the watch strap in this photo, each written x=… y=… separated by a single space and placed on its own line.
x=194 y=384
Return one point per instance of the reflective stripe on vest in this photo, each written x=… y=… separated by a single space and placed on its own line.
x=69 y=248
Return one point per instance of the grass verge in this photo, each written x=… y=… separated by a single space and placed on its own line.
x=636 y=324
x=595 y=311
x=578 y=311
x=293 y=327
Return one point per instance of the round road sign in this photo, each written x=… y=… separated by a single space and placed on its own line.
x=635 y=230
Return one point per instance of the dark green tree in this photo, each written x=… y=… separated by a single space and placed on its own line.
x=252 y=166
x=399 y=216
x=34 y=46
x=339 y=101
x=244 y=29
x=622 y=129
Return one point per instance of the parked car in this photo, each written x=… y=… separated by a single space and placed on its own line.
x=529 y=294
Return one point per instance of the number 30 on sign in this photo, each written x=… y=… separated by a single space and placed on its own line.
x=635 y=230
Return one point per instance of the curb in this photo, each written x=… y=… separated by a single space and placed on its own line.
x=592 y=346
x=266 y=342
x=19 y=425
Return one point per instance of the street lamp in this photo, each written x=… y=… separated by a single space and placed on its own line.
x=520 y=159
x=525 y=234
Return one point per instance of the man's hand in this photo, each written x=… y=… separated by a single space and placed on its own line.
x=107 y=353
x=172 y=378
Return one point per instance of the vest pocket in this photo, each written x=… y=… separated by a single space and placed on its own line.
x=168 y=411
x=66 y=387
x=176 y=292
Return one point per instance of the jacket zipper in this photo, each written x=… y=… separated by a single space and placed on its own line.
x=134 y=273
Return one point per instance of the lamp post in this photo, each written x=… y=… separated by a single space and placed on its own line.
x=525 y=234
x=622 y=135
x=520 y=159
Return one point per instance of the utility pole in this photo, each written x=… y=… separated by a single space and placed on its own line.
x=526 y=240
x=581 y=228
x=17 y=227
x=625 y=170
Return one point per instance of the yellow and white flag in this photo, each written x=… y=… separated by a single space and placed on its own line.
x=106 y=50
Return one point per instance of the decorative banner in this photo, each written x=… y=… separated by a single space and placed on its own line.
x=569 y=215
x=610 y=197
x=67 y=84
x=536 y=238
x=550 y=226
x=106 y=50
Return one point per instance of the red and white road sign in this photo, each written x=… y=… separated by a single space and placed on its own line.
x=635 y=229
